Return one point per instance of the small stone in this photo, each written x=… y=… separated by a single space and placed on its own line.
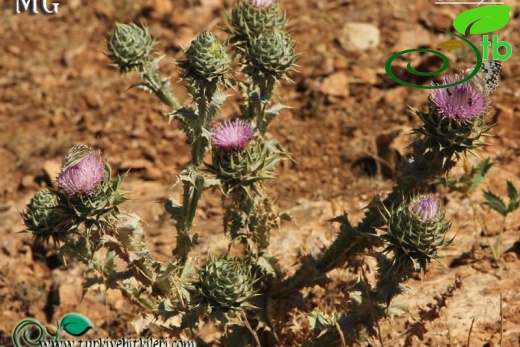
x=152 y=173
x=93 y=100
x=28 y=182
x=439 y=19
x=359 y=36
x=161 y=8
x=417 y=37
x=336 y=84
x=510 y=257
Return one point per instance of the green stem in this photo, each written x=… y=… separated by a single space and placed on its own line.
x=266 y=93
x=193 y=186
x=160 y=88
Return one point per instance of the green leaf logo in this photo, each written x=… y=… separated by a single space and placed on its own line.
x=482 y=20
x=75 y=324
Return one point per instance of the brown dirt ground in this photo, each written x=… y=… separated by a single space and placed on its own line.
x=56 y=90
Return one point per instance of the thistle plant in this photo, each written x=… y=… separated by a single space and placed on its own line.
x=452 y=127
x=404 y=230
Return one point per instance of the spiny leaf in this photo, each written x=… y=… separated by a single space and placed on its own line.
x=494 y=202
x=479 y=173
x=514 y=202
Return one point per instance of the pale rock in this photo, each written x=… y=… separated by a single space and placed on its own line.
x=359 y=36
x=336 y=84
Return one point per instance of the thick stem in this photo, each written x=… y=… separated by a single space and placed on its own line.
x=194 y=185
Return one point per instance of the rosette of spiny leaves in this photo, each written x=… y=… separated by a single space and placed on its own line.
x=454 y=123
x=43 y=218
x=250 y=18
x=226 y=285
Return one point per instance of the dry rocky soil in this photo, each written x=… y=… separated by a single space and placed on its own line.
x=348 y=125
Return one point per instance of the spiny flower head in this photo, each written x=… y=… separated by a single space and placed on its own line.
x=82 y=177
x=425 y=208
x=272 y=53
x=206 y=58
x=130 y=46
x=460 y=103
x=261 y=4
x=232 y=136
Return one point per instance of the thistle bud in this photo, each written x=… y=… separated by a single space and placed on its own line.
x=42 y=217
x=206 y=57
x=130 y=46
x=226 y=283
x=250 y=18
x=272 y=53
x=426 y=209
x=416 y=230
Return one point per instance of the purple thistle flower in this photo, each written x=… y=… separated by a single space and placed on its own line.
x=461 y=103
x=82 y=177
x=261 y=4
x=426 y=208
x=232 y=136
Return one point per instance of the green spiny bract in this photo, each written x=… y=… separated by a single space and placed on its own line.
x=247 y=167
x=247 y=21
x=206 y=58
x=130 y=46
x=43 y=218
x=413 y=238
x=99 y=210
x=271 y=54
x=226 y=284
x=448 y=138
